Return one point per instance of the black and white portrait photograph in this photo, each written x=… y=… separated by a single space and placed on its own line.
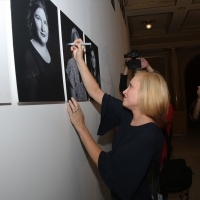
x=113 y=3
x=92 y=59
x=74 y=84
x=37 y=51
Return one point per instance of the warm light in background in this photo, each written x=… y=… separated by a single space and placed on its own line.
x=148 y=23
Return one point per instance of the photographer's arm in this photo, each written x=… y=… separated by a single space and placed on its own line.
x=124 y=75
x=90 y=83
x=125 y=72
x=123 y=79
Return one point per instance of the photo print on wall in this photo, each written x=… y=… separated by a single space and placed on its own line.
x=74 y=84
x=92 y=60
x=37 y=51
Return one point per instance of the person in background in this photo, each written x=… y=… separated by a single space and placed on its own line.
x=124 y=75
x=76 y=87
x=195 y=110
x=138 y=141
x=164 y=123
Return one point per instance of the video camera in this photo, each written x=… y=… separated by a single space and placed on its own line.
x=134 y=63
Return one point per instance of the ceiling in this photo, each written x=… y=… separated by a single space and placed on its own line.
x=177 y=23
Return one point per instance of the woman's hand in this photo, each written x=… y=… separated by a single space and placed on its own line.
x=75 y=114
x=145 y=64
x=78 y=50
x=77 y=119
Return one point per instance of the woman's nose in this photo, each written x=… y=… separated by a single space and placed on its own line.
x=124 y=92
x=42 y=26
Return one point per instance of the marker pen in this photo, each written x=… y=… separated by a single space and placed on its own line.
x=83 y=44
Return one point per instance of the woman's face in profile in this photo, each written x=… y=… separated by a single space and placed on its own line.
x=131 y=94
x=93 y=59
x=41 y=25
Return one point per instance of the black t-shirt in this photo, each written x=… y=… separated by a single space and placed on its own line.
x=124 y=169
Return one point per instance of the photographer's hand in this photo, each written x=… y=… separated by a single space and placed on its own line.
x=145 y=64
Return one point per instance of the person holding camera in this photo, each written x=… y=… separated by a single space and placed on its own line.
x=164 y=123
x=138 y=141
x=139 y=63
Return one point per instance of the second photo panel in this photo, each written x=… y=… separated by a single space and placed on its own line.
x=74 y=84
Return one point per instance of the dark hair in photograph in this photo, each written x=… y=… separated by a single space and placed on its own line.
x=33 y=6
x=74 y=34
x=92 y=50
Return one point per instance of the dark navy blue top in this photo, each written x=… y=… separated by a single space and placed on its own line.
x=134 y=148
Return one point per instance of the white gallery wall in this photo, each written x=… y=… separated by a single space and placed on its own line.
x=4 y=76
x=41 y=157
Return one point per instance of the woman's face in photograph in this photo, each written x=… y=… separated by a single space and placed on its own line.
x=41 y=24
x=93 y=59
x=75 y=34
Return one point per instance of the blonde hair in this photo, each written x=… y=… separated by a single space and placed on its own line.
x=153 y=97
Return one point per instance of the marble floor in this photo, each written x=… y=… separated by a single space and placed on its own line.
x=188 y=147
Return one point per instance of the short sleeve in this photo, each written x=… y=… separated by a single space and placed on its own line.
x=111 y=113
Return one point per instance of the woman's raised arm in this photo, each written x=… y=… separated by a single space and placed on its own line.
x=89 y=82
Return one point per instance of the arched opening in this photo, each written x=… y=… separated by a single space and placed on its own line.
x=192 y=81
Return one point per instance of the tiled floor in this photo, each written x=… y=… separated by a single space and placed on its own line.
x=188 y=147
